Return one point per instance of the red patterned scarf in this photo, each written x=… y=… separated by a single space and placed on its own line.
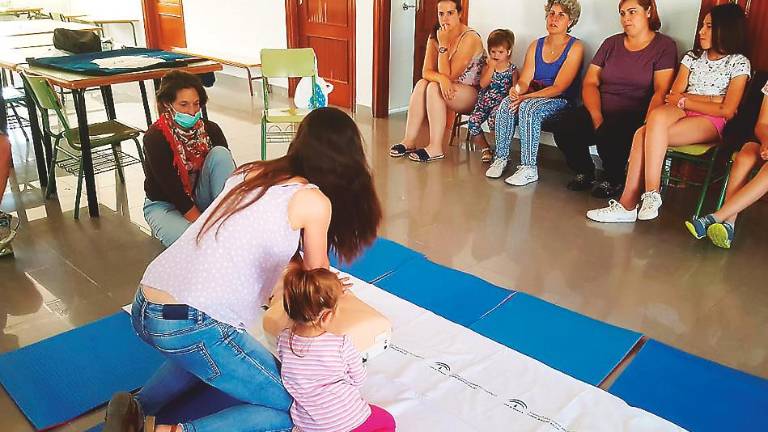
x=189 y=147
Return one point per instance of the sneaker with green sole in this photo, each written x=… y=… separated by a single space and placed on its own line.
x=721 y=234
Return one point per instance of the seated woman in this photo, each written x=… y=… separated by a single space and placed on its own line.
x=706 y=94
x=547 y=85
x=741 y=192
x=187 y=159
x=451 y=76
x=629 y=77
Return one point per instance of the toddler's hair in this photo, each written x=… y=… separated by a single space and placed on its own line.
x=501 y=37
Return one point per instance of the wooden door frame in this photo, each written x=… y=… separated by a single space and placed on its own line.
x=292 y=36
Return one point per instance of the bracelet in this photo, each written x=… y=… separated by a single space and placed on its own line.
x=681 y=103
x=442 y=50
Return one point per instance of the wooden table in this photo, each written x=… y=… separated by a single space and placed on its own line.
x=102 y=21
x=13 y=29
x=236 y=60
x=78 y=83
x=19 y=11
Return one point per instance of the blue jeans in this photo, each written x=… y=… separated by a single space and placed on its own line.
x=167 y=223
x=200 y=349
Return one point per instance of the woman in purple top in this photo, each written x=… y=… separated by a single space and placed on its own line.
x=629 y=76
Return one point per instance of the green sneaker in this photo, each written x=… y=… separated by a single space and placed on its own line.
x=721 y=234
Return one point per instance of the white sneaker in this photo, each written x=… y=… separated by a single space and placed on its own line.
x=615 y=212
x=649 y=209
x=523 y=176
x=496 y=168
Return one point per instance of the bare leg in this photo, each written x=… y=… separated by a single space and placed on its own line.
x=737 y=195
x=657 y=141
x=5 y=163
x=635 y=172
x=416 y=113
x=436 y=116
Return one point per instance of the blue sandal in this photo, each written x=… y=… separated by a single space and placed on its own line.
x=421 y=155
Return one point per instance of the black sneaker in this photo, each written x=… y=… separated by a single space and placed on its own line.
x=581 y=182
x=607 y=190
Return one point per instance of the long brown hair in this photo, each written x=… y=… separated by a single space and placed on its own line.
x=328 y=152
x=729 y=27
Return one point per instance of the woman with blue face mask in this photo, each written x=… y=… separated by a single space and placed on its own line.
x=187 y=158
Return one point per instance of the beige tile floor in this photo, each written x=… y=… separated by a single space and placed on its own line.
x=651 y=277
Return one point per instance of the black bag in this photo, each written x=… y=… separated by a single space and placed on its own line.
x=76 y=41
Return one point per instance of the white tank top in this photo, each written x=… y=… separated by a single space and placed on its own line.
x=230 y=275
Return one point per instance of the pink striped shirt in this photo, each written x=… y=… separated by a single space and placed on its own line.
x=324 y=375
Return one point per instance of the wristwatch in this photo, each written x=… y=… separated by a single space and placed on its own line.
x=681 y=103
x=442 y=50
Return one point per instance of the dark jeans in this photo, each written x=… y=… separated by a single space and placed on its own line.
x=574 y=134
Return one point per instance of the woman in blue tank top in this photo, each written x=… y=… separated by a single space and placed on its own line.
x=547 y=84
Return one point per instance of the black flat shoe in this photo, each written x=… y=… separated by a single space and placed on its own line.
x=124 y=414
x=581 y=182
x=606 y=190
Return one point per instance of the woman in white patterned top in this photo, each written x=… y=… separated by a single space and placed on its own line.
x=741 y=192
x=704 y=96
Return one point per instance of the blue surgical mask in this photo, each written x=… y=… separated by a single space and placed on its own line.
x=185 y=120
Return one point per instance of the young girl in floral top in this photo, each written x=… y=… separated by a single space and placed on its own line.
x=499 y=75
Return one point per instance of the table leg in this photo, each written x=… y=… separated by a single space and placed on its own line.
x=145 y=102
x=109 y=102
x=37 y=140
x=85 y=144
x=3 y=110
x=133 y=29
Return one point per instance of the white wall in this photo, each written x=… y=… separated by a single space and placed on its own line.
x=364 y=52
x=402 y=28
x=120 y=33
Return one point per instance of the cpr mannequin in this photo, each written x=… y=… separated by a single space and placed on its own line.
x=370 y=331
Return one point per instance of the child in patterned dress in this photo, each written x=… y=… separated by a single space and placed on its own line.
x=498 y=76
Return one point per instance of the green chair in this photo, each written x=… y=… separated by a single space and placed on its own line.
x=15 y=99
x=105 y=138
x=699 y=154
x=283 y=63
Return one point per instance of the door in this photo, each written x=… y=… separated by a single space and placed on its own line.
x=328 y=27
x=164 y=24
x=426 y=18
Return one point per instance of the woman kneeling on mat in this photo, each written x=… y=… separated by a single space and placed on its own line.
x=187 y=159
x=197 y=298
x=451 y=78
x=706 y=93
x=741 y=192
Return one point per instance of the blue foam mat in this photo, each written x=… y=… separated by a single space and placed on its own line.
x=695 y=393
x=457 y=296
x=65 y=376
x=582 y=347
x=382 y=258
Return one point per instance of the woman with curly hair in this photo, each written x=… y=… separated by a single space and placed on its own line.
x=546 y=86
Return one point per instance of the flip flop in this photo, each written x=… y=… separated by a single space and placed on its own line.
x=421 y=155
x=400 y=150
